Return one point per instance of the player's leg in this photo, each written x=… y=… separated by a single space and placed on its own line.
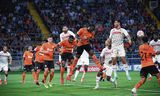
x=99 y=74
x=24 y=73
x=138 y=85
x=38 y=70
x=77 y=71
x=94 y=57
x=154 y=72
x=79 y=53
x=158 y=77
x=39 y=67
x=68 y=68
x=70 y=58
x=84 y=72
x=109 y=74
x=32 y=69
x=143 y=74
x=125 y=66
x=46 y=71
x=114 y=67
x=5 y=68
x=51 y=67
x=62 y=71
x=62 y=67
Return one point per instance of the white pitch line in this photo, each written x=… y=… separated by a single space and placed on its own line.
x=90 y=86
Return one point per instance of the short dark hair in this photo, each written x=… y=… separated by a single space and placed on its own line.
x=118 y=20
x=71 y=37
x=145 y=39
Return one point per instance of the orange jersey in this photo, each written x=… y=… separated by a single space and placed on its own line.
x=66 y=46
x=28 y=56
x=49 y=48
x=146 y=52
x=85 y=36
x=39 y=57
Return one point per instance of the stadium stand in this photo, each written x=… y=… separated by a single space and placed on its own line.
x=75 y=13
x=18 y=29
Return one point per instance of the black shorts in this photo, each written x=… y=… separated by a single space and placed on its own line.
x=83 y=47
x=150 y=69
x=67 y=56
x=49 y=64
x=39 y=65
x=28 y=68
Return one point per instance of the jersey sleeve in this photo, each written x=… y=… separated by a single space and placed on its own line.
x=61 y=43
x=71 y=33
x=151 y=43
x=24 y=55
x=10 y=57
x=43 y=47
x=151 y=50
x=110 y=35
x=61 y=39
x=102 y=53
x=125 y=32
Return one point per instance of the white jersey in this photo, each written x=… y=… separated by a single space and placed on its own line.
x=106 y=53
x=4 y=58
x=117 y=36
x=64 y=36
x=155 y=45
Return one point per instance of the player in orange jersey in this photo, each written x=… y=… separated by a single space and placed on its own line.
x=84 y=36
x=27 y=60
x=48 y=49
x=146 y=52
x=39 y=61
x=67 y=50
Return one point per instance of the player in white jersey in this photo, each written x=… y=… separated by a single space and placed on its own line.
x=63 y=36
x=155 y=43
x=106 y=60
x=116 y=38
x=5 y=59
x=83 y=61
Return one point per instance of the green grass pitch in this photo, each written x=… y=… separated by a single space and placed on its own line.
x=15 y=88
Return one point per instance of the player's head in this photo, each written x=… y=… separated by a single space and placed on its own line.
x=71 y=38
x=110 y=62
x=90 y=28
x=65 y=29
x=117 y=23
x=107 y=44
x=155 y=37
x=145 y=39
x=5 y=48
x=30 y=48
x=50 y=39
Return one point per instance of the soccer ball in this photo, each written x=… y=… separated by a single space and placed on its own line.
x=140 y=33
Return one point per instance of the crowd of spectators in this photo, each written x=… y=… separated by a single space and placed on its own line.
x=17 y=28
x=101 y=13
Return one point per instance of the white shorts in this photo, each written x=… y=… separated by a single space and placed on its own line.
x=3 y=67
x=108 y=70
x=118 y=51
x=83 y=61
